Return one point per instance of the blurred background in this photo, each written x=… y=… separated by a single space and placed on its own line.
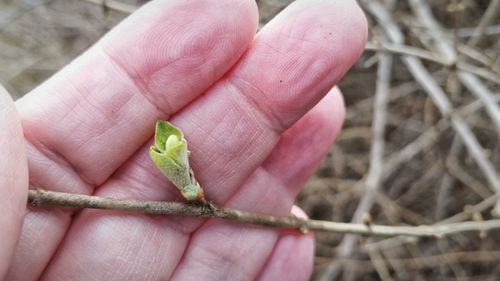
x=420 y=141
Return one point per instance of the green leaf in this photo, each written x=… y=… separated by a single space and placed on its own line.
x=170 y=155
x=165 y=129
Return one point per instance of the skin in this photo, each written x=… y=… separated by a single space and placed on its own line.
x=259 y=112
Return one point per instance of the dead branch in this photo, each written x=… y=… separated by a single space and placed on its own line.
x=45 y=198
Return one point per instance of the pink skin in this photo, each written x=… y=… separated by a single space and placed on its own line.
x=255 y=110
x=13 y=179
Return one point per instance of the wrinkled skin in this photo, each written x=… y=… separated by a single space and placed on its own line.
x=259 y=112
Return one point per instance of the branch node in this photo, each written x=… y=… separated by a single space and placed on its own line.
x=367 y=219
x=303 y=229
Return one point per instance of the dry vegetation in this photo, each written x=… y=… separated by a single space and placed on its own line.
x=420 y=143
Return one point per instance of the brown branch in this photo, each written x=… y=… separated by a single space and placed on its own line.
x=40 y=197
x=375 y=172
x=469 y=31
x=429 y=56
x=115 y=5
x=419 y=262
x=486 y=20
x=382 y=46
x=462 y=216
x=429 y=84
x=424 y=14
x=380 y=265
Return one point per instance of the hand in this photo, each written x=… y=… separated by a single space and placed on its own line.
x=256 y=110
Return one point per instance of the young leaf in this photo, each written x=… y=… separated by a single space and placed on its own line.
x=170 y=155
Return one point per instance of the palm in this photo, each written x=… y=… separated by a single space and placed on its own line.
x=88 y=130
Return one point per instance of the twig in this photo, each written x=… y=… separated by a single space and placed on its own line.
x=22 y=8
x=474 y=106
x=487 y=73
x=432 y=88
x=397 y=92
x=437 y=94
x=443 y=195
x=462 y=175
x=456 y=268
x=115 y=5
x=423 y=12
x=408 y=215
x=423 y=142
x=485 y=21
x=379 y=264
x=424 y=262
x=400 y=271
x=429 y=56
x=411 y=191
x=379 y=120
x=484 y=73
x=40 y=197
x=475 y=86
x=475 y=55
x=479 y=207
x=469 y=31
x=374 y=176
x=407 y=50
x=462 y=216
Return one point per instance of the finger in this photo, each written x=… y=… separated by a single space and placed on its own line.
x=104 y=104
x=292 y=257
x=226 y=246
x=290 y=160
x=13 y=179
x=229 y=135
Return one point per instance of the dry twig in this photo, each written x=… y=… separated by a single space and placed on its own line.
x=444 y=105
x=429 y=56
x=445 y=47
x=425 y=262
x=486 y=20
x=428 y=83
x=40 y=197
x=379 y=264
x=375 y=172
x=115 y=5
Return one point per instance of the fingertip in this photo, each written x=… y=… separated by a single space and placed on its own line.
x=353 y=19
x=338 y=106
x=299 y=56
x=346 y=16
x=292 y=258
x=298 y=212
x=331 y=111
x=301 y=214
x=340 y=26
x=303 y=146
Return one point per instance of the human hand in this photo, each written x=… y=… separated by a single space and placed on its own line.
x=254 y=109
